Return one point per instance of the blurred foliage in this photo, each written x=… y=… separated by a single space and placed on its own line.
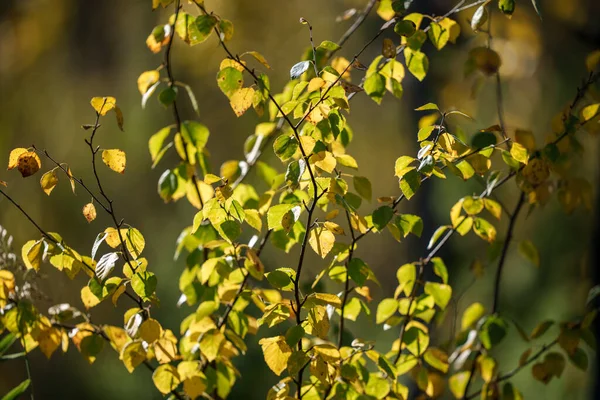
x=509 y=75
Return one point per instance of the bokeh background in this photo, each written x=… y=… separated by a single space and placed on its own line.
x=57 y=54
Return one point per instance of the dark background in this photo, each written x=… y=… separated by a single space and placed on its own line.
x=57 y=54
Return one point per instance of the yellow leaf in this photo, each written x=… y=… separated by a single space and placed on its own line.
x=115 y=159
x=321 y=240
x=334 y=228
x=519 y=153
x=166 y=378
x=28 y=163
x=49 y=339
x=241 y=100
x=308 y=144
x=318 y=322
x=132 y=355
x=147 y=79
x=13 y=158
x=102 y=105
x=150 y=330
x=526 y=139
x=194 y=387
x=31 y=253
x=165 y=350
x=324 y=160
x=118 y=336
x=328 y=352
x=276 y=352
x=259 y=57
x=88 y=298
x=89 y=212
x=211 y=344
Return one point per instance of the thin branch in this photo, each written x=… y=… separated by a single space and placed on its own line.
x=111 y=209
x=168 y=65
x=357 y=23
x=507 y=241
x=518 y=369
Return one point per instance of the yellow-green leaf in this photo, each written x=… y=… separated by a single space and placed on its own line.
x=48 y=182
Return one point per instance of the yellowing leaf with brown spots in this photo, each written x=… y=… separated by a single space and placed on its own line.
x=28 y=163
x=13 y=158
x=276 y=352
x=241 y=100
x=102 y=105
x=115 y=159
x=89 y=212
x=321 y=240
x=48 y=182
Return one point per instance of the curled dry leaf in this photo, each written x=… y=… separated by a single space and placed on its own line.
x=89 y=212
x=28 y=163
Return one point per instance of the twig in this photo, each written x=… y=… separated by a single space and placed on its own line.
x=172 y=82
x=509 y=235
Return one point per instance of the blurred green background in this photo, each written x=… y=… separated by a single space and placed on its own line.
x=57 y=54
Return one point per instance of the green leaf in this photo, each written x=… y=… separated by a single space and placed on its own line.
x=407 y=276
x=417 y=63
x=439 y=268
x=17 y=391
x=230 y=80
x=507 y=7
x=492 y=332
x=416 y=339
x=382 y=216
x=579 y=359
x=375 y=87
x=438 y=35
x=294 y=335
x=409 y=183
x=410 y=224
x=405 y=28
x=528 y=250
x=386 y=309
x=278 y=217
x=424 y=133
x=155 y=144
x=144 y=284
x=205 y=25
x=231 y=229
x=195 y=133
x=362 y=185
x=358 y=271
x=285 y=146
x=168 y=96
x=282 y=278
x=440 y=292
x=329 y=45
